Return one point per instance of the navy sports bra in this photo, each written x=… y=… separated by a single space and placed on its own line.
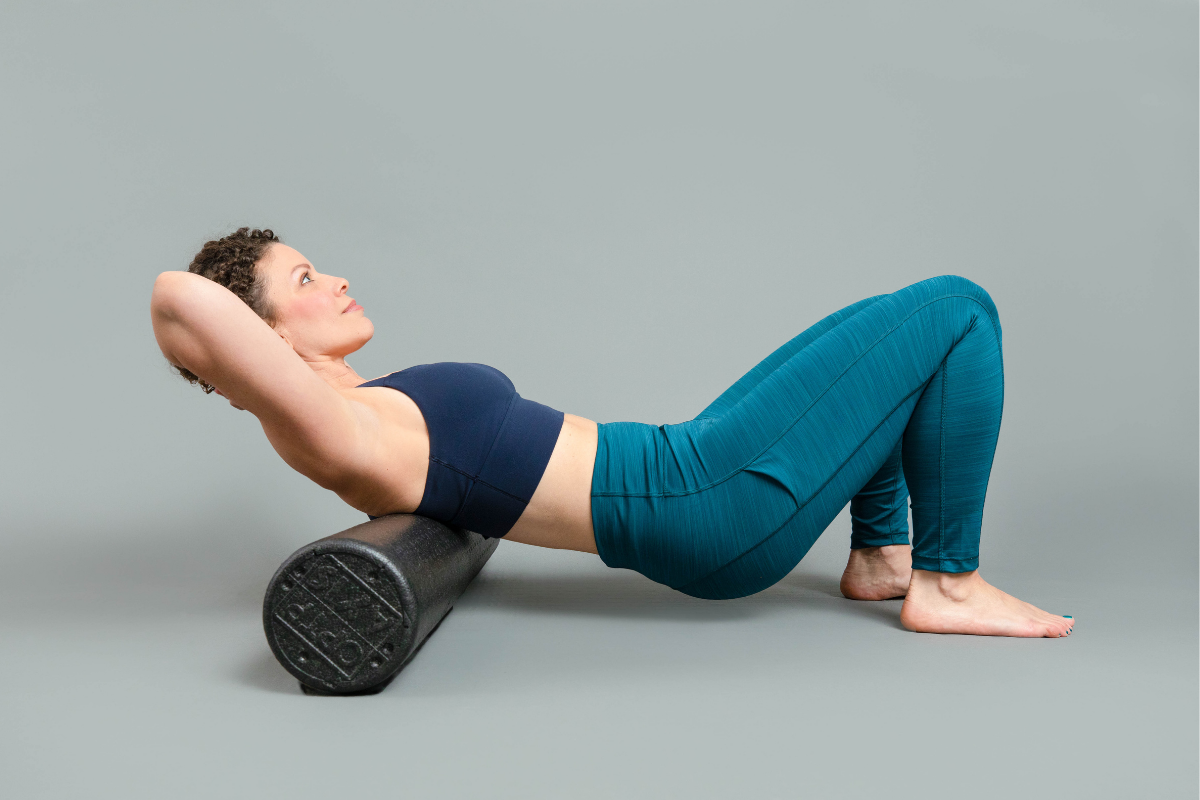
x=488 y=446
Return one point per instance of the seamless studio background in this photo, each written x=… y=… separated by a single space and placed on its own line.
x=623 y=206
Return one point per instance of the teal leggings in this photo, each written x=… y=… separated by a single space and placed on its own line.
x=899 y=394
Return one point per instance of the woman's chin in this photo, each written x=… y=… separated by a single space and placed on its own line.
x=363 y=339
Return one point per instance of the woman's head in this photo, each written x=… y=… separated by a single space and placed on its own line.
x=310 y=310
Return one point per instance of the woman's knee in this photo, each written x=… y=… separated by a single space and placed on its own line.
x=958 y=286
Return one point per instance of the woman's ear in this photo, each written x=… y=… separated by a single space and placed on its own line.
x=283 y=335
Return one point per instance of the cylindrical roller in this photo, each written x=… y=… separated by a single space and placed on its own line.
x=345 y=613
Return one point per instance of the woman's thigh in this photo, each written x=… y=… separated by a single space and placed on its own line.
x=748 y=382
x=727 y=501
x=803 y=419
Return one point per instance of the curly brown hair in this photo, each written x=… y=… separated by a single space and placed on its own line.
x=230 y=261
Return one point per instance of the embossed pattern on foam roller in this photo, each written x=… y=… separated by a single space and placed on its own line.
x=345 y=613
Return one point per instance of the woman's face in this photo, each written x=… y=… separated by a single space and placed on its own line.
x=312 y=311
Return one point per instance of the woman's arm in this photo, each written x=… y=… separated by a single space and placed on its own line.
x=204 y=327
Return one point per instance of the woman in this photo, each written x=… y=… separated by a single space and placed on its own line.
x=894 y=394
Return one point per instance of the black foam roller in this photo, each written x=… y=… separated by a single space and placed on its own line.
x=345 y=613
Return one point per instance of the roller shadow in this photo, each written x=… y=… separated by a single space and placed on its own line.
x=264 y=673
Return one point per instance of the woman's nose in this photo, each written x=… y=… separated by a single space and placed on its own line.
x=341 y=285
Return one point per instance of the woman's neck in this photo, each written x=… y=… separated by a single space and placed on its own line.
x=336 y=372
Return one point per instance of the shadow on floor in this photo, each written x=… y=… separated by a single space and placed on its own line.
x=618 y=597
x=263 y=672
x=630 y=596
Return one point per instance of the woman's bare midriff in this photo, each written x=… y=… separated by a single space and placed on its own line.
x=560 y=513
x=392 y=470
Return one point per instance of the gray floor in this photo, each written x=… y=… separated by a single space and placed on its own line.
x=555 y=677
x=623 y=207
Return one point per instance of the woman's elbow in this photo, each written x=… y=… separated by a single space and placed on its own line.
x=180 y=299
x=166 y=311
x=164 y=299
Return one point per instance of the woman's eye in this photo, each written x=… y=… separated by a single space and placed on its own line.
x=305 y=279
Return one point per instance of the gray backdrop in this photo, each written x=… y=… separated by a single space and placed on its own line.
x=623 y=206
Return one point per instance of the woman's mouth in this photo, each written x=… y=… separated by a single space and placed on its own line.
x=352 y=307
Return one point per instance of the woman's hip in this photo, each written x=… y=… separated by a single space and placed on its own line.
x=660 y=512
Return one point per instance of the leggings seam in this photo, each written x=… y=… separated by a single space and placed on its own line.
x=811 y=497
x=801 y=415
x=896 y=492
x=942 y=465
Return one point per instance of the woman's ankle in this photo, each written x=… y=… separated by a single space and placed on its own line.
x=952 y=585
x=892 y=554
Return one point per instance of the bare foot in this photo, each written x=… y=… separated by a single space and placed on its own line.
x=877 y=573
x=945 y=602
